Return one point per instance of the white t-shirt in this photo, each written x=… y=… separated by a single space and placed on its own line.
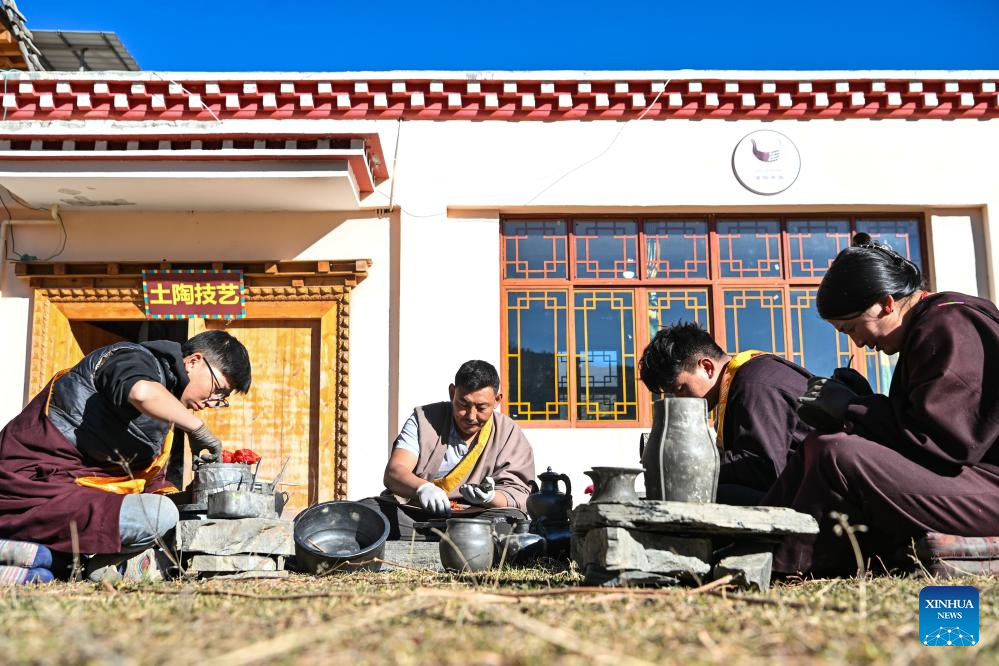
x=409 y=440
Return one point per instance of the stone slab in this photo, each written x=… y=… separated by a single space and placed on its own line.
x=255 y=536
x=598 y=576
x=750 y=571
x=693 y=519
x=231 y=563
x=245 y=575
x=618 y=549
x=416 y=554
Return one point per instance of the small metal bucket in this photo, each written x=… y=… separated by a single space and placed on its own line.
x=212 y=478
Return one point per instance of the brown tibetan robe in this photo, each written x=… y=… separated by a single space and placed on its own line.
x=761 y=428
x=923 y=458
x=508 y=457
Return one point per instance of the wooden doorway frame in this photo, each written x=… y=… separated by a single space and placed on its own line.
x=312 y=290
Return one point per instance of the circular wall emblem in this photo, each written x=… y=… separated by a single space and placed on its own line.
x=766 y=162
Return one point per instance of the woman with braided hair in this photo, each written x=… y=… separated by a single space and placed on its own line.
x=922 y=459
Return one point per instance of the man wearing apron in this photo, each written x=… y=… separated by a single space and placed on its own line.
x=82 y=467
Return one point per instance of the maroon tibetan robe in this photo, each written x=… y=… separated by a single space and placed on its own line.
x=39 y=499
x=923 y=458
x=761 y=428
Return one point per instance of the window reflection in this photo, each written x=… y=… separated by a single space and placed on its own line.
x=605 y=356
x=606 y=248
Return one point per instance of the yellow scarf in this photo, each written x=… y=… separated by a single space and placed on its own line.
x=733 y=366
x=453 y=479
x=124 y=485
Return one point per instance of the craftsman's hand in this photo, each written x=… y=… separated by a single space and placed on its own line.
x=479 y=493
x=202 y=438
x=433 y=499
x=854 y=380
x=824 y=404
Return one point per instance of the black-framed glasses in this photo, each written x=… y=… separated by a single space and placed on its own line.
x=217 y=399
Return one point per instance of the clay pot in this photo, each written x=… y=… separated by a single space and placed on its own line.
x=614 y=484
x=467 y=545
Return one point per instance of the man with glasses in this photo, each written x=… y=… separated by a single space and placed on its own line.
x=89 y=453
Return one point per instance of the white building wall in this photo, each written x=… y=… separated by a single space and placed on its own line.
x=432 y=300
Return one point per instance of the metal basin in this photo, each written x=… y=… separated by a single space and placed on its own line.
x=339 y=536
x=241 y=504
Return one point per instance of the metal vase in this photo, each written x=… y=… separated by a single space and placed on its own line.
x=681 y=458
x=613 y=484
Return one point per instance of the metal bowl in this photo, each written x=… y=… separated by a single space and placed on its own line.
x=339 y=536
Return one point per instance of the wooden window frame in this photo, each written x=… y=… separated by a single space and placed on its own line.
x=714 y=283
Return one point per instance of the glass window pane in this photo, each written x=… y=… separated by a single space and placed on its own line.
x=605 y=355
x=534 y=249
x=754 y=319
x=814 y=244
x=749 y=248
x=537 y=357
x=815 y=344
x=880 y=368
x=672 y=306
x=606 y=248
x=902 y=235
x=676 y=248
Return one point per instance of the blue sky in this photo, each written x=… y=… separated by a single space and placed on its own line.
x=312 y=35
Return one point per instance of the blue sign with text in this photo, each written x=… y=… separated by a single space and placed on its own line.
x=948 y=615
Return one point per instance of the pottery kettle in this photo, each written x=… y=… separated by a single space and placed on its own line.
x=681 y=457
x=548 y=503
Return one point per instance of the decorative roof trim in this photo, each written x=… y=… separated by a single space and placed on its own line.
x=128 y=99
x=362 y=151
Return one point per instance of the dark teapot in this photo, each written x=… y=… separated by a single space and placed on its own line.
x=549 y=505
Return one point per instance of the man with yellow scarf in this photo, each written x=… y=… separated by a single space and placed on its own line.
x=460 y=455
x=753 y=394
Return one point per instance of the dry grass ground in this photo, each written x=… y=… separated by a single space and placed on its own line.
x=529 y=616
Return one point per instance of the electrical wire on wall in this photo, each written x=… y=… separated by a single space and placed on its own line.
x=603 y=152
x=12 y=248
x=556 y=181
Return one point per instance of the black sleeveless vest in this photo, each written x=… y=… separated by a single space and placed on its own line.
x=102 y=430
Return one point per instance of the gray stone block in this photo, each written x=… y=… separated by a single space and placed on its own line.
x=256 y=536
x=245 y=575
x=690 y=518
x=750 y=571
x=618 y=549
x=597 y=576
x=231 y=563
x=416 y=554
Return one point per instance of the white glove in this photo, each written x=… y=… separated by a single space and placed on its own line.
x=433 y=499
x=481 y=494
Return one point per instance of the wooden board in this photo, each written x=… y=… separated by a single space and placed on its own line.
x=64 y=343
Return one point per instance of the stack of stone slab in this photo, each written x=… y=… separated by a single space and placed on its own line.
x=235 y=548
x=679 y=543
